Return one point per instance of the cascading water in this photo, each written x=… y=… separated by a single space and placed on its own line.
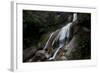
x=63 y=33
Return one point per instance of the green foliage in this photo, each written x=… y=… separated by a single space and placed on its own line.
x=39 y=23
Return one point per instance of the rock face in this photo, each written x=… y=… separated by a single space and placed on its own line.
x=28 y=53
x=79 y=47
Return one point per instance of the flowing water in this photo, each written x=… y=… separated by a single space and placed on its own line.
x=63 y=33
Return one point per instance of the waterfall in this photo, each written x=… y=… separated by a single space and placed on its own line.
x=64 y=32
x=74 y=17
x=61 y=36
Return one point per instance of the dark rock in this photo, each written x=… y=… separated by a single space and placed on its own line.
x=28 y=53
x=39 y=56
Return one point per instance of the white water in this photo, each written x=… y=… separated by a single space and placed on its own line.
x=74 y=17
x=64 y=33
